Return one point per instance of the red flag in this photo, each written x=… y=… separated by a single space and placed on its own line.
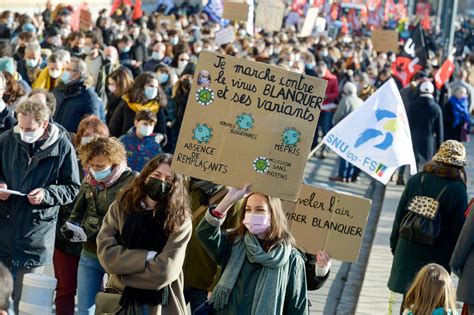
x=137 y=10
x=444 y=73
x=115 y=6
x=298 y=6
x=412 y=58
x=334 y=11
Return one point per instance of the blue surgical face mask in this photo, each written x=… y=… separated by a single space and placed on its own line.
x=163 y=77
x=174 y=41
x=66 y=77
x=100 y=175
x=126 y=49
x=150 y=92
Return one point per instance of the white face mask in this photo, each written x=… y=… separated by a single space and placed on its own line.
x=85 y=140
x=145 y=130
x=182 y=64
x=55 y=73
x=31 y=136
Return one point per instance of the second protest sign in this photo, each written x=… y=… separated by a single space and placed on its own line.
x=248 y=122
x=323 y=219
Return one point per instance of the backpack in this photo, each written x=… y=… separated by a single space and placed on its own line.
x=422 y=223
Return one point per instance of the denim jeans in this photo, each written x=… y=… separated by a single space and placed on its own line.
x=195 y=297
x=324 y=125
x=89 y=282
x=346 y=169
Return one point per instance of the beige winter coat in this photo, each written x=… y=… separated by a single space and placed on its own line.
x=129 y=267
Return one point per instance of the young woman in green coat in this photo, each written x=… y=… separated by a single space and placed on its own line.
x=108 y=173
x=263 y=272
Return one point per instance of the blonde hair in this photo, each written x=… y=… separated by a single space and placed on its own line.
x=111 y=148
x=39 y=111
x=431 y=288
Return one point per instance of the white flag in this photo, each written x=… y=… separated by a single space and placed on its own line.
x=375 y=137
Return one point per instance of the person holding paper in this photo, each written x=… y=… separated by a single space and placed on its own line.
x=142 y=241
x=36 y=158
x=263 y=272
x=108 y=173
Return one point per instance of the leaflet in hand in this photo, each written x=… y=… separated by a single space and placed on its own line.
x=12 y=192
x=79 y=234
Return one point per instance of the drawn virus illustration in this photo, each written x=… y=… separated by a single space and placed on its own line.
x=291 y=136
x=245 y=121
x=261 y=164
x=202 y=133
x=205 y=96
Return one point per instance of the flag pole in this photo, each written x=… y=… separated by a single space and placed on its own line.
x=315 y=149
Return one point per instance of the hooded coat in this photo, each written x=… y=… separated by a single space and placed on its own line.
x=28 y=231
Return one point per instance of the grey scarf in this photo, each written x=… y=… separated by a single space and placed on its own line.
x=271 y=283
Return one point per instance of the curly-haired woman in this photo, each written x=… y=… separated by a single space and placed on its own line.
x=142 y=242
x=108 y=173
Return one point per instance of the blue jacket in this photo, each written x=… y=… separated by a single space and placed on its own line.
x=140 y=151
x=27 y=231
x=74 y=102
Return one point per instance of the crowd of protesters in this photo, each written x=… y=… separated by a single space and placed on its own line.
x=89 y=120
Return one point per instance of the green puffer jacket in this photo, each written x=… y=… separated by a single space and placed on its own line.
x=92 y=204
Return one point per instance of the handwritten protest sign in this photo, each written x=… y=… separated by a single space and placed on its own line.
x=235 y=10
x=385 y=40
x=309 y=22
x=85 y=20
x=269 y=15
x=168 y=20
x=329 y=220
x=320 y=24
x=248 y=122
x=225 y=36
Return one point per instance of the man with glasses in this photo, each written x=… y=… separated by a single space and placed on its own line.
x=74 y=99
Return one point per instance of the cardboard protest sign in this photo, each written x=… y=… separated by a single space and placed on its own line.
x=248 y=122
x=385 y=40
x=269 y=15
x=85 y=20
x=320 y=24
x=322 y=219
x=169 y=20
x=235 y=10
x=309 y=22
x=225 y=36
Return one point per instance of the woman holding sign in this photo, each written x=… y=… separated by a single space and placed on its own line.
x=262 y=271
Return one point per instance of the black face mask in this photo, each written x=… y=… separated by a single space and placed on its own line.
x=21 y=50
x=157 y=189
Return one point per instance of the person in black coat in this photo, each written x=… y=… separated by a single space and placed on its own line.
x=426 y=124
x=45 y=169
x=145 y=93
x=74 y=99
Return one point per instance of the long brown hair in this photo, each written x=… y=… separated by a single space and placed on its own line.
x=279 y=231
x=123 y=80
x=178 y=204
x=13 y=89
x=431 y=288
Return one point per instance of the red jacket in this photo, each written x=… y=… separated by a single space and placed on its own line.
x=332 y=90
